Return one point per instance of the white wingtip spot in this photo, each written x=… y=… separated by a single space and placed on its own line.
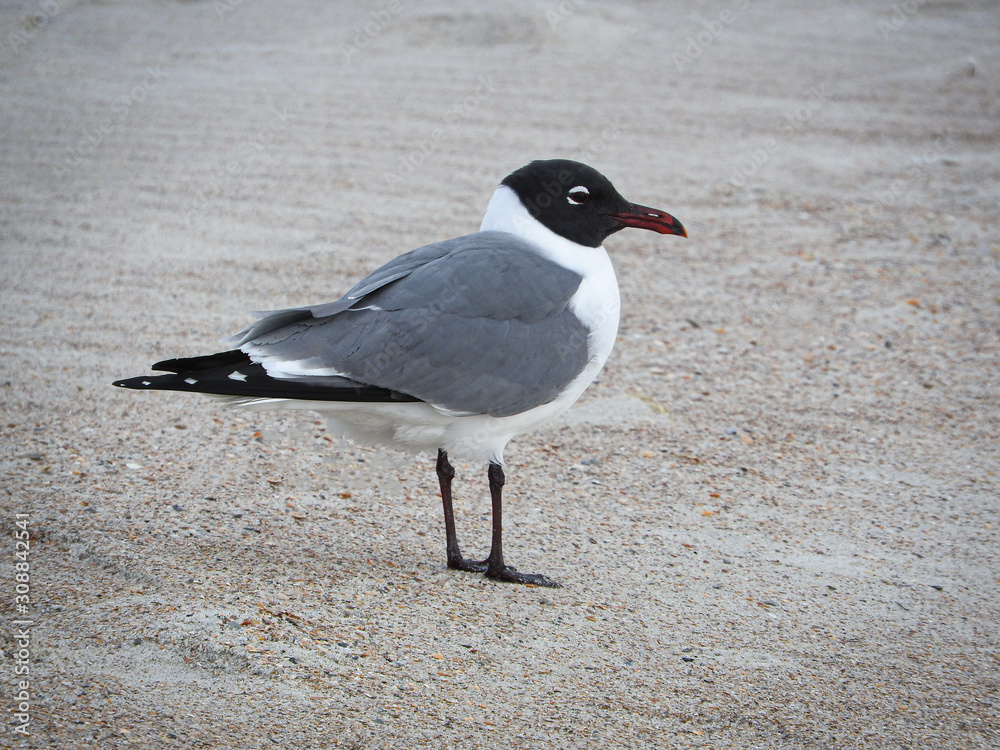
x=146 y=382
x=237 y=375
x=190 y=381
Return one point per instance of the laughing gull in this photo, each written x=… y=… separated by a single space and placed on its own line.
x=455 y=347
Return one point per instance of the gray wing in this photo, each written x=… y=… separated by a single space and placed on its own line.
x=476 y=325
x=396 y=268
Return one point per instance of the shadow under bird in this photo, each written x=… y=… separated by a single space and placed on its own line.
x=455 y=347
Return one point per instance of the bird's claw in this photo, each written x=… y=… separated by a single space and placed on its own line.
x=511 y=575
x=470 y=566
x=505 y=573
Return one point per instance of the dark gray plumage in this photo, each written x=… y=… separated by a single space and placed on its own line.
x=468 y=325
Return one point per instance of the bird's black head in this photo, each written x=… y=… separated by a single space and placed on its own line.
x=579 y=203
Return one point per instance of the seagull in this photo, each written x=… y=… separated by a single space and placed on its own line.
x=455 y=347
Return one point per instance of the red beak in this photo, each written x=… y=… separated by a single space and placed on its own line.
x=653 y=219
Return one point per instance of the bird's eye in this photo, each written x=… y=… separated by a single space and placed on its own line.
x=578 y=195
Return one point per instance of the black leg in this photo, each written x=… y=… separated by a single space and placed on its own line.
x=495 y=567
x=446 y=472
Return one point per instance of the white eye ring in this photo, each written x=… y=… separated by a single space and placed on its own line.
x=578 y=195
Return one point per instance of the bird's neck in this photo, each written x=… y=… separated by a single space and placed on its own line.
x=506 y=213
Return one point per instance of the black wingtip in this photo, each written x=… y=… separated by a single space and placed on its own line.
x=233 y=374
x=140 y=383
x=205 y=362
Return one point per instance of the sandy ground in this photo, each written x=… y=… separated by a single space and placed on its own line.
x=775 y=516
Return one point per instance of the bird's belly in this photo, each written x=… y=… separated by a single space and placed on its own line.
x=419 y=427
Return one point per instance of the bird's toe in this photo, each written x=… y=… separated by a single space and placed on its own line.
x=511 y=575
